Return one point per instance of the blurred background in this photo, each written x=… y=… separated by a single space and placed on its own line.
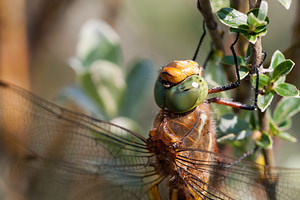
x=38 y=40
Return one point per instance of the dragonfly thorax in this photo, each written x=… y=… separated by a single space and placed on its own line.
x=178 y=136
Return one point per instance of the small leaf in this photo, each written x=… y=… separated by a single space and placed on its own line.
x=260 y=31
x=286 y=3
x=277 y=58
x=228 y=60
x=287 y=136
x=253 y=121
x=254 y=22
x=108 y=81
x=232 y=17
x=263 y=81
x=252 y=38
x=243 y=72
x=226 y=138
x=97 y=40
x=282 y=69
x=263 y=101
x=273 y=127
x=265 y=141
x=218 y=4
x=285 y=125
x=139 y=82
x=286 y=109
x=258 y=24
x=281 y=80
x=263 y=10
x=231 y=124
x=128 y=124
x=80 y=98
x=286 y=90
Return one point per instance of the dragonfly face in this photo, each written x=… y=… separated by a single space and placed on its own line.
x=180 y=87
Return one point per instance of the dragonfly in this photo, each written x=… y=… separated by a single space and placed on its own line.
x=67 y=155
x=61 y=154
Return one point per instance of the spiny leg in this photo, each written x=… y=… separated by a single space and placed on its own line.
x=238 y=104
x=238 y=81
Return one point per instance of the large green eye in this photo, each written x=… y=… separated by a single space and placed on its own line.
x=182 y=97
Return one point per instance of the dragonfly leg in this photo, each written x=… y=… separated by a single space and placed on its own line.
x=200 y=42
x=231 y=103
x=236 y=84
x=238 y=81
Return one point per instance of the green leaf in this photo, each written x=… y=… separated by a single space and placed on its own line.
x=232 y=17
x=273 y=127
x=98 y=41
x=286 y=90
x=263 y=101
x=243 y=72
x=107 y=81
x=248 y=25
x=287 y=136
x=80 y=98
x=252 y=38
x=218 y=4
x=253 y=121
x=276 y=59
x=281 y=80
x=263 y=81
x=226 y=138
x=254 y=22
x=265 y=141
x=285 y=125
x=286 y=109
x=286 y=3
x=282 y=69
x=89 y=88
x=139 y=83
x=260 y=31
x=228 y=60
x=258 y=25
x=128 y=124
x=263 y=10
x=231 y=124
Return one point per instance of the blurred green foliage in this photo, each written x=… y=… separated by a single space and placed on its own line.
x=103 y=86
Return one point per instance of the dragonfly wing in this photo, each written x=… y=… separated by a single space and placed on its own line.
x=231 y=178
x=82 y=156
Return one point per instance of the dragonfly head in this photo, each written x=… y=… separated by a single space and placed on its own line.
x=180 y=86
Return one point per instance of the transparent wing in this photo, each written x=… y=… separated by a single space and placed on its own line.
x=66 y=155
x=234 y=179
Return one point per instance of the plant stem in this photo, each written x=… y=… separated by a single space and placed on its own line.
x=215 y=32
x=205 y=9
x=256 y=58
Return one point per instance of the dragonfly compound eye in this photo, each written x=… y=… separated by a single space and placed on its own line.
x=183 y=96
x=177 y=71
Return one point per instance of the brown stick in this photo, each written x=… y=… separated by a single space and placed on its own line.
x=205 y=9
x=256 y=56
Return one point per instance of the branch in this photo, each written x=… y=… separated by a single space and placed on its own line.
x=205 y=8
x=256 y=57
